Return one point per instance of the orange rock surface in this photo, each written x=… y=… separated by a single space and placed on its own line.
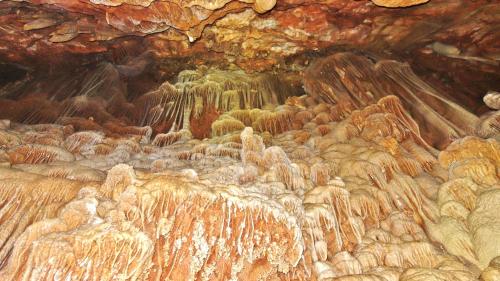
x=249 y=140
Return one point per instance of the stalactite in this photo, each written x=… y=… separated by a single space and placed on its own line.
x=228 y=175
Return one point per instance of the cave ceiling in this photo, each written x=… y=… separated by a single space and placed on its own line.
x=453 y=44
x=256 y=35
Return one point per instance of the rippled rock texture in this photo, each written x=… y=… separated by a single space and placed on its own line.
x=306 y=190
x=249 y=140
x=249 y=180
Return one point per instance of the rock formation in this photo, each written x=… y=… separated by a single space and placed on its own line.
x=249 y=140
x=365 y=197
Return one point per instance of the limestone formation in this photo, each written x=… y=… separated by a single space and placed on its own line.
x=296 y=140
x=369 y=196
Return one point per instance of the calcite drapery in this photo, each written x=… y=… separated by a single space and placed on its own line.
x=359 y=156
x=358 y=81
x=368 y=202
x=101 y=102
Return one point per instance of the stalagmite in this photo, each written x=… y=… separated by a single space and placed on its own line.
x=257 y=140
x=346 y=203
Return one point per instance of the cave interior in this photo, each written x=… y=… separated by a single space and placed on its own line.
x=347 y=140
